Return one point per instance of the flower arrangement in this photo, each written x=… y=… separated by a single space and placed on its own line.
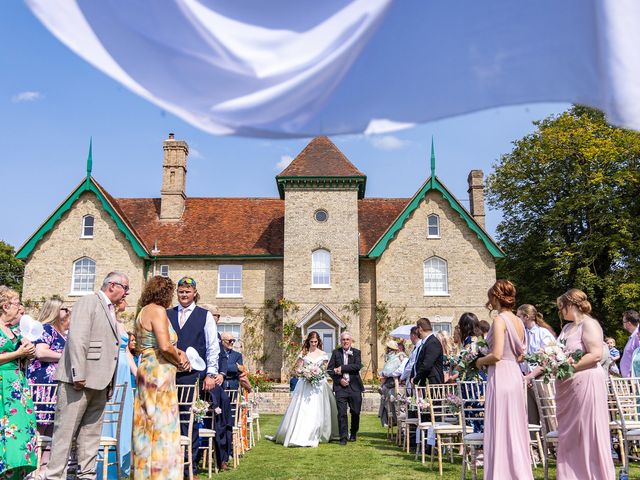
x=555 y=361
x=453 y=403
x=200 y=409
x=260 y=380
x=314 y=374
x=465 y=363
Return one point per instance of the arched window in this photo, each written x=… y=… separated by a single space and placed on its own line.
x=87 y=226
x=321 y=269
x=84 y=276
x=436 y=277
x=433 y=226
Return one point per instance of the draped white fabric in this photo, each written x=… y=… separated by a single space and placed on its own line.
x=291 y=68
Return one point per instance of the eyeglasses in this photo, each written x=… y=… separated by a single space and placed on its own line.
x=124 y=287
x=230 y=341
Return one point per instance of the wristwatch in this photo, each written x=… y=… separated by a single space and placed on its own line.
x=211 y=375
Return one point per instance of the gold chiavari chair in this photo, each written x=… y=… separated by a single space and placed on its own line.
x=209 y=435
x=545 y=394
x=187 y=395
x=44 y=406
x=627 y=394
x=234 y=399
x=471 y=394
x=113 y=416
x=445 y=422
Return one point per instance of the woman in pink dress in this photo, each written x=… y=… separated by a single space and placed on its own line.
x=506 y=432
x=584 y=445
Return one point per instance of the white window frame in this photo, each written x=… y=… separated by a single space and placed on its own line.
x=432 y=263
x=224 y=270
x=231 y=324
x=321 y=268
x=85 y=226
x=74 y=284
x=437 y=226
x=164 y=270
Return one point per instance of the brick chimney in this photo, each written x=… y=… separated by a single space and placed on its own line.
x=476 y=195
x=174 y=177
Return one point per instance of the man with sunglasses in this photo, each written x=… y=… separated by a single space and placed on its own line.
x=196 y=328
x=234 y=358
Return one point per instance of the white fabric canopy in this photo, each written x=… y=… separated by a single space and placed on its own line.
x=297 y=68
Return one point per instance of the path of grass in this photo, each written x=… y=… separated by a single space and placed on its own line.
x=371 y=457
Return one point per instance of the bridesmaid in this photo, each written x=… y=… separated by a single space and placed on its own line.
x=156 y=432
x=584 y=445
x=506 y=433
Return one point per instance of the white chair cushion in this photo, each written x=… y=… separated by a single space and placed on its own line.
x=108 y=441
x=552 y=435
x=534 y=427
x=207 y=432
x=476 y=437
x=184 y=440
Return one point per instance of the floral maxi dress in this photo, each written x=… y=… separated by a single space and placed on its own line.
x=156 y=429
x=17 y=418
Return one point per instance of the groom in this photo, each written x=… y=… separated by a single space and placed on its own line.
x=344 y=368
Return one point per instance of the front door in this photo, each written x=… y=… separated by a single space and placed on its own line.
x=327 y=333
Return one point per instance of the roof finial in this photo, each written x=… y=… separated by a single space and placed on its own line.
x=433 y=159
x=90 y=158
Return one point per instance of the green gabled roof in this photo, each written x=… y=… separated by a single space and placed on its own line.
x=434 y=184
x=87 y=185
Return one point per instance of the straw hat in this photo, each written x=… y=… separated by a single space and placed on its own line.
x=392 y=344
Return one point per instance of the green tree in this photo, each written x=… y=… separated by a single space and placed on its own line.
x=11 y=269
x=569 y=195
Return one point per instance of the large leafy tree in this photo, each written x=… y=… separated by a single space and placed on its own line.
x=11 y=269
x=569 y=193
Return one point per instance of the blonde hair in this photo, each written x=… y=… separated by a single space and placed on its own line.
x=446 y=340
x=574 y=297
x=50 y=312
x=6 y=295
x=533 y=313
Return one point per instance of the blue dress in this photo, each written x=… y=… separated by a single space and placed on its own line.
x=123 y=375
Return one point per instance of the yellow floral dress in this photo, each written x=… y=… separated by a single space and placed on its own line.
x=156 y=428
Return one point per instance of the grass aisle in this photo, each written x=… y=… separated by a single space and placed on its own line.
x=371 y=457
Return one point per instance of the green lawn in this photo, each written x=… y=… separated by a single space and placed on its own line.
x=372 y=457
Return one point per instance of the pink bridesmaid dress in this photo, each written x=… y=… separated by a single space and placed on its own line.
x=584 y=443
x=506 y=431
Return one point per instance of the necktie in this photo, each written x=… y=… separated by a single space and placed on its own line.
x=183 y=318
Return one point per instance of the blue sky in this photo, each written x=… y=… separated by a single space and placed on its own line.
x=52 y=102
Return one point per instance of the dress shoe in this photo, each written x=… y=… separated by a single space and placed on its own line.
x=343 y=441
x=352 y=438
x=224 y=466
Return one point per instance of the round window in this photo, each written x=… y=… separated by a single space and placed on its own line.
x=321 y=215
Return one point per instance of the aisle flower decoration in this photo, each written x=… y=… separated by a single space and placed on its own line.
x=200 y=409
x=555 y=361
x=453 y=403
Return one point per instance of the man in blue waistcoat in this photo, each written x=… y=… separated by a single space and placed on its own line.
x=196 y=328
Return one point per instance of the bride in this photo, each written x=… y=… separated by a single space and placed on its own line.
x=311 y=416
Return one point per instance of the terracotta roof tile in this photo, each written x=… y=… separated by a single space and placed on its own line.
x=375 y=216
x=321 y=158
x=238 y=226
x=211 y=226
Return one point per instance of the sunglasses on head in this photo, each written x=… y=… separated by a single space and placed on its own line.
x=187 y=281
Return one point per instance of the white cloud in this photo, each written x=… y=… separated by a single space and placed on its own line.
x=284 y=162
x=388 y=142
x=195 y=153
x=27 y=97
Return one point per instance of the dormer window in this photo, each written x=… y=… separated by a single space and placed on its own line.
x=87 y=226
x=433 y=226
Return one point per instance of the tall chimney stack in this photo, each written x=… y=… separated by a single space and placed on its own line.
x=174 y=178
x=476 y=195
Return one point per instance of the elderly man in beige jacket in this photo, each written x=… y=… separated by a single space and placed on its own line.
x=86 y=372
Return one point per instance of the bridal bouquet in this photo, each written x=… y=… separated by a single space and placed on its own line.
x=554 y=361
x=314 y=374
x=200 y=409
x=466 y=361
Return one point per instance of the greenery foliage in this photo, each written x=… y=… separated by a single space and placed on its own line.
x=389 y=317
x=571 y=209
x=11 y=269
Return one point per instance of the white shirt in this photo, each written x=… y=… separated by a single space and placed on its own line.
x=537 y=337
x=210 y=335
x=408 y=368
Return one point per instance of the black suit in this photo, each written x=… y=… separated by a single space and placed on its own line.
x=428 y=365
x=350 y=395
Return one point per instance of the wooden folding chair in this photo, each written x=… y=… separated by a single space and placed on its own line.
x=113 y=416
x=187 y=395
x=545 y=394
x=471 y=394
x=44 y=406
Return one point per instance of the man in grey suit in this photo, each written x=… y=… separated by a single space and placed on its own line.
x=86 y=372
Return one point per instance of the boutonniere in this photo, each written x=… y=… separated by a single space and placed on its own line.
x=349 y=352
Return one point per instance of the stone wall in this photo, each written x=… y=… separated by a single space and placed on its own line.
x=49 y=268
x=277 y=400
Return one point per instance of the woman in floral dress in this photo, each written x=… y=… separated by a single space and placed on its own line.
x=156 y=428
x=49 y=347
x=17 y=419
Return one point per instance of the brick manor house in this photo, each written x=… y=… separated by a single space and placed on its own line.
x=321 y=257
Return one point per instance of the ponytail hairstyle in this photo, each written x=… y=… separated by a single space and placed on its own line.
x=532 y=313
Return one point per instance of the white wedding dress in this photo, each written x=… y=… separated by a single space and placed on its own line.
x=312 y=416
